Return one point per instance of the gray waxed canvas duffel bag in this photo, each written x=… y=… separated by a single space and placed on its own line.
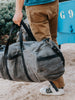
x=31 y=61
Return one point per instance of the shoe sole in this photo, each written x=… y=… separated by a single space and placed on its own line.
x=49 y=94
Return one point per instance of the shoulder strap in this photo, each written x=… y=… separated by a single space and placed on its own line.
x=28 y=31
x=23 y=60
x=21 y=48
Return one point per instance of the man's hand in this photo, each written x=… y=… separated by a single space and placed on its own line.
x=18 y=12
x=18 y=17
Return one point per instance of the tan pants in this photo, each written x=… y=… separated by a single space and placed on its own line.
x=43 y=24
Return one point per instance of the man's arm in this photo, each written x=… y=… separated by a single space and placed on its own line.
x=18 y=12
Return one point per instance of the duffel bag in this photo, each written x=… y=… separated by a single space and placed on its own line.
x=31 y=61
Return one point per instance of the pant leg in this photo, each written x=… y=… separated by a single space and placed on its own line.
x=53 y=19
x=53 y=30
x=38 y=21
x=60 y=81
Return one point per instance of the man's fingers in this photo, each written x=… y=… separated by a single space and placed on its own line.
x=19 y=24
x=17 y=18
x=17 y=21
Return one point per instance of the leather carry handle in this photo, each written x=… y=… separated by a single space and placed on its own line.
x=8 y=40
x=10 y=34
x=28 y=31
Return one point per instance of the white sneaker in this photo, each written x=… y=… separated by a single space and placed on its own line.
x=51 y=91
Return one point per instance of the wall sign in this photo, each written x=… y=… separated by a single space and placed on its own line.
x=66 y=18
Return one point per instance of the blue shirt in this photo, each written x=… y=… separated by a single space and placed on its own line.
x=36 y=2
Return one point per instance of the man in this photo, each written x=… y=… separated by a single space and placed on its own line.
x=42 y=16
